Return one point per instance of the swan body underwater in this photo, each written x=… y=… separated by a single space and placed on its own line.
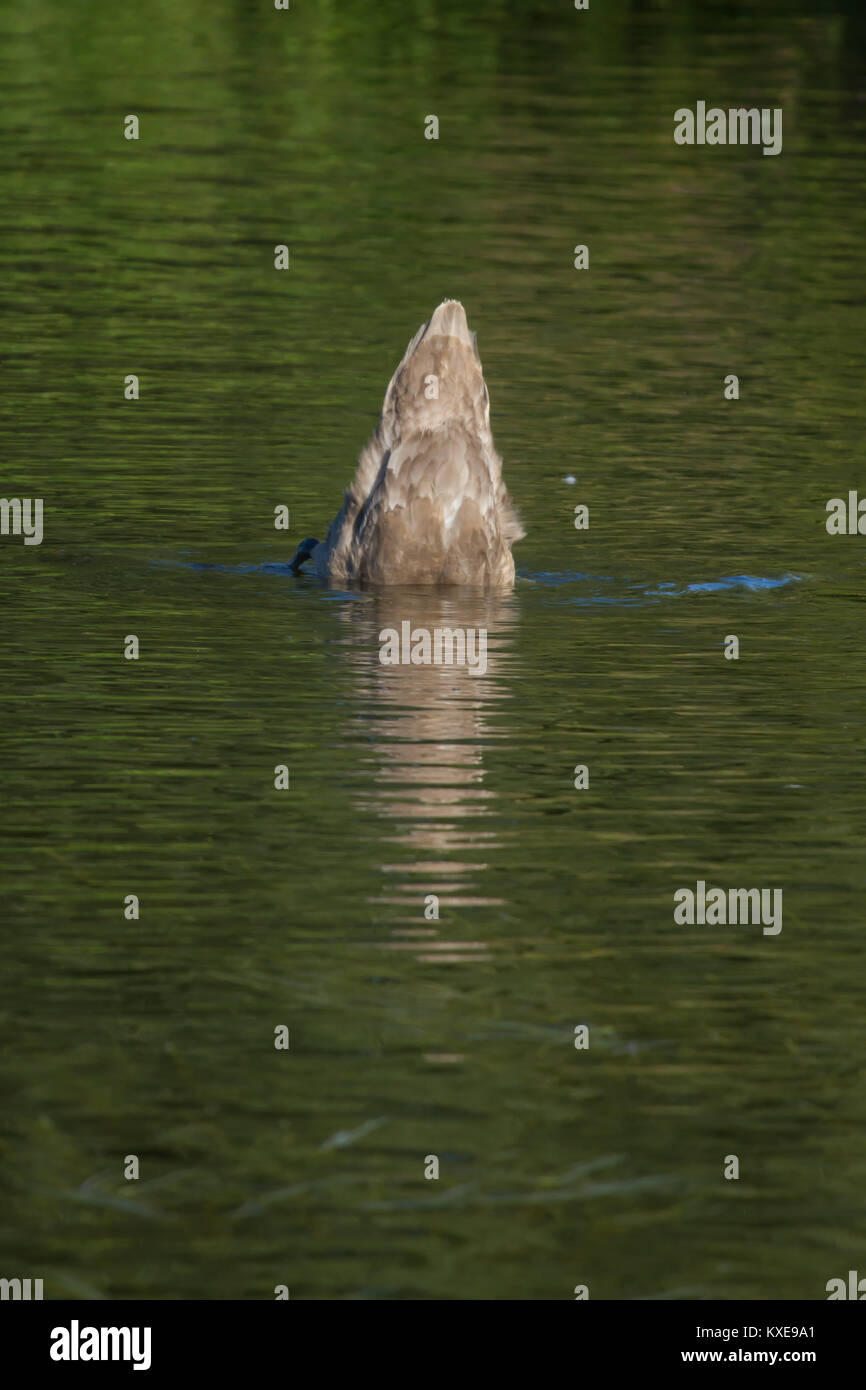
x=428 y=504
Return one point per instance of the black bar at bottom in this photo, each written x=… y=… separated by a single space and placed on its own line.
x=68 y=1338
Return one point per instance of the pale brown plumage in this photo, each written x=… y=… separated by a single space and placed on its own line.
x=427 y=504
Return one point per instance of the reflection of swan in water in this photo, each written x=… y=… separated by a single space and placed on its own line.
x=428 y=504
x=430 y=724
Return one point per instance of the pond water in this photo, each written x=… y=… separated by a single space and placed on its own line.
x=412 y=1036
